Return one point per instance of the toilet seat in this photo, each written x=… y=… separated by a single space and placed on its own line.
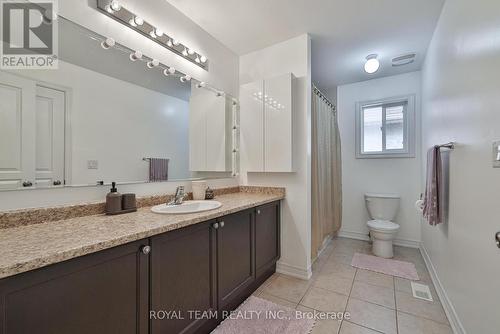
x=383 y=225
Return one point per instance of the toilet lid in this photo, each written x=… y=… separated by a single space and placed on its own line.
x=384 y=225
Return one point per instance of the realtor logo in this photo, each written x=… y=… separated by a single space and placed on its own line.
x=29 y=34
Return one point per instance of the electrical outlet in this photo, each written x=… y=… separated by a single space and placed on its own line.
x=496 y=154
x=92 y=164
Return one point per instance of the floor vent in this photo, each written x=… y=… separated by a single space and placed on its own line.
x=421 y=291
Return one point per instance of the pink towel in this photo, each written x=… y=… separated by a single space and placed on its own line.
x=434 y=190
x=158 y=169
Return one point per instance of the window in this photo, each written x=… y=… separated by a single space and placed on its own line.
x=385 y=129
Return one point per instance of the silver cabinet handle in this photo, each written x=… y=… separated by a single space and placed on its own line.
x=258 y=212
x=222 y=224
x=216 y=226
x=146 y=250
x=497 y=238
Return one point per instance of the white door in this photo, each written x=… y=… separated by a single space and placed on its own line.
x=278 y=124
x=17 y=131
x=50 y=115
x=252 y=126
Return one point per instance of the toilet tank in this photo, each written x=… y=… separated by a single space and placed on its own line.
x=382 y=206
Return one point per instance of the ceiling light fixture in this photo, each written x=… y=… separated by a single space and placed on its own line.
x=372 y=64
x=136 y=55
x=108 y=43
x=153 y=63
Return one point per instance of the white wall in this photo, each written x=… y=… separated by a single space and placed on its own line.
x=223 y=73
x=290 y=56
x=461 y=86
x=360 y=176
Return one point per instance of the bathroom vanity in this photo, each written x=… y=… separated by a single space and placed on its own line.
x=182 y=278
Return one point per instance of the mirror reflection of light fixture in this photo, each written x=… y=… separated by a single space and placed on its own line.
x=372 y=64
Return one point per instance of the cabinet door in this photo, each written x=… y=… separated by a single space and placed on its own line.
x=267 y=236
x=17 y=131
x=252 y=126
x=183 y=278
x=50 y=114
x=278 y=124
x=105 y=292
x=235 y=258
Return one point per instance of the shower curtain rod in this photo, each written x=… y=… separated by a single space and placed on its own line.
x=323 y=96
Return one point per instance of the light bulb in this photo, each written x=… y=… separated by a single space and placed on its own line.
x=184 y=52
x=152 y=34
x=108 y=9
x=108 y=43
x=153 y=63
x=166 y=72
x=171 y=70
x=185 y=78
x=191 y=52
x=132 y=23
x=115 y=6
x=197 y=59
x=158 y=32
x=136 y=55
x=169 y=43
x=372 y=64
x=176 y=42
x=203 y=59
x=139 y=21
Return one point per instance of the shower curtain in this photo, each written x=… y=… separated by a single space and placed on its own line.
x=326 y=172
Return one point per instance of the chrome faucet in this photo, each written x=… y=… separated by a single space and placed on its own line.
x=178 y=197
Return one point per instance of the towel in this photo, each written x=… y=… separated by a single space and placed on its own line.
x=434 y=190
x=158 y=169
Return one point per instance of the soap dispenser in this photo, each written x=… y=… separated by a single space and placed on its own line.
x=113 y=201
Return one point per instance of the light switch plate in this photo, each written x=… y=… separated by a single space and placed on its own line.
x=92 y=164
x=496 y=154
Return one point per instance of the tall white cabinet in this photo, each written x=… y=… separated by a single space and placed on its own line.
x=210 y=136
x=266 y=118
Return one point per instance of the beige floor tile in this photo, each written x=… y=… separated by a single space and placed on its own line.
x=350 y=328
x=373 y=294
x=289 y=288
x=409 y=324
x=322 y=326
x=420 y=308
x=372 y=316
x=333 y=283
x=338 y=257
x=338 y=270
x=324 y=300
x=277 y=300
x=375 y=278
x=266 y=283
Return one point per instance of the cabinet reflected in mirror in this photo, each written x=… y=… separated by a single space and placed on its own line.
x=101 y=117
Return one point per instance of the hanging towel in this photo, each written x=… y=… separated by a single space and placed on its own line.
x=434 y=190
x=158 y=169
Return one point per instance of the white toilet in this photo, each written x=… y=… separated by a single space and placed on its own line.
x=382 y=209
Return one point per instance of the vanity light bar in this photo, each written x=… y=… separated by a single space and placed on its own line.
x=115 y=10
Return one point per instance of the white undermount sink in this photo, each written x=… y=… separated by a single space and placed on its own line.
x=186 y=207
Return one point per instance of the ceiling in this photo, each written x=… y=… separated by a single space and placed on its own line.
x=343 y=32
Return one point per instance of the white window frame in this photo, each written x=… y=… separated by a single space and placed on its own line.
x=408 y=134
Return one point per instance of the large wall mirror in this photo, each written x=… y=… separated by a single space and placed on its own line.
x=101 y=117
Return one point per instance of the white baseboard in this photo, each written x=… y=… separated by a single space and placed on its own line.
x=289 y=270
x=456 y=324
x=364 y=236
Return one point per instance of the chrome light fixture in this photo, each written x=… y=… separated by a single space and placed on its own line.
x=115 y=10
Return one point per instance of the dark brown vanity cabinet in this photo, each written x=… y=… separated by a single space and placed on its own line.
x=183 y=279
x=105 y=292
x=267 y=237
x=170 y=283
x=235 y=257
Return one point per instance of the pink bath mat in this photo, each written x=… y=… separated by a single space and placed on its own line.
x=259 y=316
x=391 y=267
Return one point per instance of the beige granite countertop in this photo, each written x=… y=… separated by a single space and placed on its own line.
x=30 y=247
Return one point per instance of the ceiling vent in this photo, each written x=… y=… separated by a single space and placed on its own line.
x=404 y=59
